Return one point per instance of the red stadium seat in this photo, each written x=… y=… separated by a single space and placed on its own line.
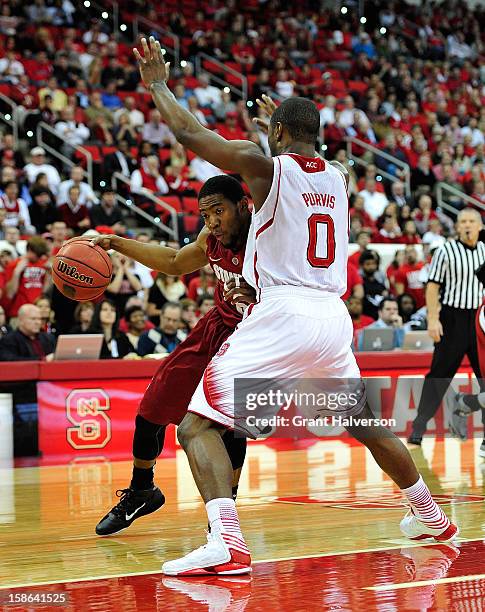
x=173 y=201
x=191 y=223
x=191 y=205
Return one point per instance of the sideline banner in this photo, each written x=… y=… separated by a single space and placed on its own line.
x=96 y=418
x=90 y=418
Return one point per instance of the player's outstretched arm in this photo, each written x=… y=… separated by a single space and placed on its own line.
x=240 y=156
x=188 y=259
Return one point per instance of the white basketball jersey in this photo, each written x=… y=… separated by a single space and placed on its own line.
x=300 y=235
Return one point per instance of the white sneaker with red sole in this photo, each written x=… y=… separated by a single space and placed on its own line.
x=215 y=557
x=414 y=529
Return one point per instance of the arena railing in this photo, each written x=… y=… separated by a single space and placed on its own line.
x=42 y=140
x=406 y=178
x=140 y=24
x=242 y=92
x=443 y=188
x=11 y=118
x=173 y=231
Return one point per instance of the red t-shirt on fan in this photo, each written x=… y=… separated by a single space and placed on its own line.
x=226 y=265
x=31 y=283
x=409 y=275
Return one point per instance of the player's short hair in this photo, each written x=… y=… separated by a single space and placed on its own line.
x=226 y=185
x=300 y=117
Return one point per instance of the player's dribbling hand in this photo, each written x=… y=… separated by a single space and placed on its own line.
x=104 y=241
x=435 y=330
x=152 y=65
x=242 y=294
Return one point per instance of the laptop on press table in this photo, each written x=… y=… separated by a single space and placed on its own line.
x=377 y=339
x=417 y=341
x=78 y=346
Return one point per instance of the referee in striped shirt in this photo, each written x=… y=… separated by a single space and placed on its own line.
x=453 y=295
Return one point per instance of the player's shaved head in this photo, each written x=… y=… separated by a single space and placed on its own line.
x=300 y=117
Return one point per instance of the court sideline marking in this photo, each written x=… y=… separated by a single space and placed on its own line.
x=275 y=560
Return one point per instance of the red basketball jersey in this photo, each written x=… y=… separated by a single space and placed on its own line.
x=480 y=327
x=226 y=265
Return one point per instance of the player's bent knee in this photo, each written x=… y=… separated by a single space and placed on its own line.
x=191 y=426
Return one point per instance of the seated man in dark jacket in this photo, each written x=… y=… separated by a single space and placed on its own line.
x=167 y=336
x=27 y=342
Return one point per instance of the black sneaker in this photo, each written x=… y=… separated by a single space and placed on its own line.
x=132 y=505
x=414 y=440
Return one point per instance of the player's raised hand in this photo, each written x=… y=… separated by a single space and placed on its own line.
x=153 y=68
x=268 y=106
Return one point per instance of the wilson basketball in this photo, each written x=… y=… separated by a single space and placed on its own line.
x=82 y=270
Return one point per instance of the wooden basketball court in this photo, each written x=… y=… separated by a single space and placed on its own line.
x=320 y=518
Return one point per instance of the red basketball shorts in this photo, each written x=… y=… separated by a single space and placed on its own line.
x=480 y=325
x=168 y=395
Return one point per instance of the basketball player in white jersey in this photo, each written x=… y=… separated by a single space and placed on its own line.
x=300 y=328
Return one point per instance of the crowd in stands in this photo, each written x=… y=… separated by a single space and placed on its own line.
x=408 y=81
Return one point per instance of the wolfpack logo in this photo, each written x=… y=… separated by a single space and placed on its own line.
x=223 y=349
x=223 y=275
x=311 y=165
x=73 y=273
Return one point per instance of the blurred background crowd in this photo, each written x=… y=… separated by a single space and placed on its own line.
x=401 y=92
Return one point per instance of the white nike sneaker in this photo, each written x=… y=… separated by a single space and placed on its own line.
x=415 y=529
x=215 y=557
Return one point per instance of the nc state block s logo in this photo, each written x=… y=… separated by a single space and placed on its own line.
x=87 y=410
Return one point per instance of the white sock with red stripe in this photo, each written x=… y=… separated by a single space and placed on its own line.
x=223 y=519
x=424 y=506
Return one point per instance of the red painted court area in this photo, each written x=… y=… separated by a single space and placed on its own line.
x=430 y=577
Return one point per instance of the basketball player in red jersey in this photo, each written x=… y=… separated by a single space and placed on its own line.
x=224 y=208
x=464 y=404
x=299 y=288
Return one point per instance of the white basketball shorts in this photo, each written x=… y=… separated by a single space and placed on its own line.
x=293 y=332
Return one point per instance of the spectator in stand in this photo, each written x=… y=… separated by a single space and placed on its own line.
x=203 y=170
x=371 y=173
x=43 y=303
x=28 y=342
x=391 y=148
x=112 y=73
x=3 y=216
x=4 y=327
x=204 y=304
x=389 y=318
x=66 y=74
x=359 y=320
x=390 y=232
x=423 y=175
x=135 y=320
x=105 y=321
x=156 y=132
x=434 y=235
x=202 y=284
x=285 y=87
x=12 y=237
x=110 y=98
x=407 y=308
x=408 y=276
x=10 y=68
x=363 y=240
x=121 y=161
x=28 y=276
x=125 y=283
x=59 y=233
x=83 y=316
x=148 y=180
x=410 y=233
x=17 y=211
x=97 y=109
x=207 y=95
x=164 y=289
x=262 y=85
x=374 y=287
x=38 y=165
x=59 y=97
x=398 y=194
x=327 y=114
x=137 y=118
x=167 y=336
x=125 y=131
x=424 y=213
x=94 y=34
x=108 y=213
x=374 y=201
x=74 y=214
x=193 y=107
x=350 y=114
x=86 y=193
x=188 y=319
x=230 y=130
x=72 y=132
